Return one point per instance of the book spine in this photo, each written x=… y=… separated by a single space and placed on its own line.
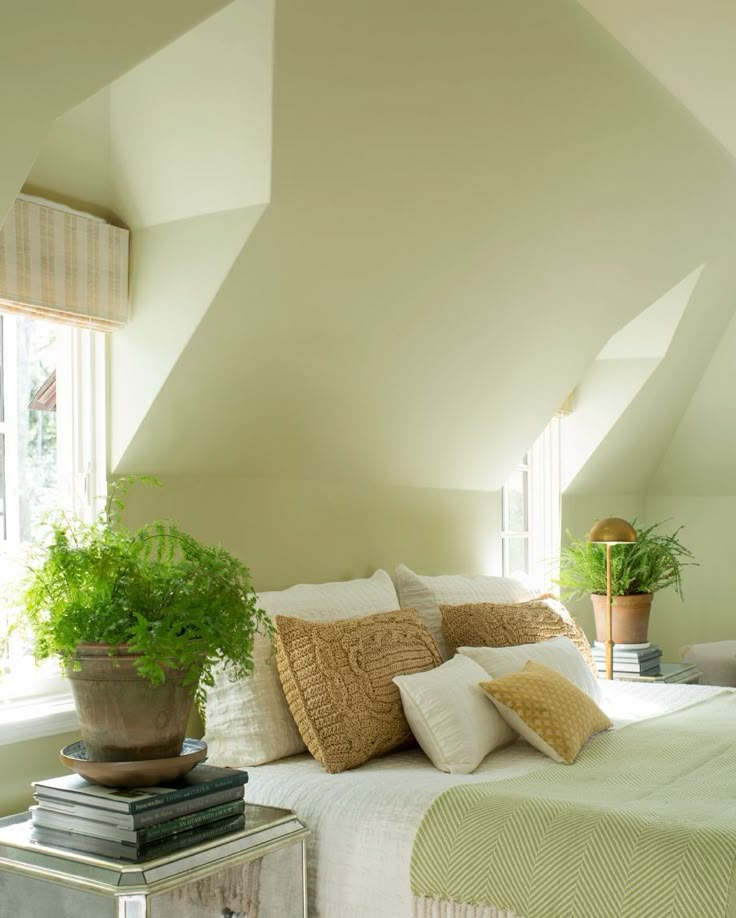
x=132 y=852
x=190 y=821
x=192 y=837
x=236 y=779
x=623 y=671
x=183 y=807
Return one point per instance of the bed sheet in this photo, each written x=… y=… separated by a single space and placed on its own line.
x=363 y=821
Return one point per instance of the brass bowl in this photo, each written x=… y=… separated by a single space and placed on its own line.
x=147 y=773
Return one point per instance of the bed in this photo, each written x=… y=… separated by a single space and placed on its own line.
x=364 y=821
x=642 y=825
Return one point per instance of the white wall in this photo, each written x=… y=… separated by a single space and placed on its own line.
x=74 y=161
x=305 y=531
x=706 y=612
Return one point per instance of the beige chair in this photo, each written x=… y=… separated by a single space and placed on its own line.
x=716 y=661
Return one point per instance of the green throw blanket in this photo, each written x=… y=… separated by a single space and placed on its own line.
x=642 y=825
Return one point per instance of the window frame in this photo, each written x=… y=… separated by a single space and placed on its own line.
x=35 y=703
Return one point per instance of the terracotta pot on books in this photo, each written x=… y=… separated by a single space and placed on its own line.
x=122 y=717
x=630 y=618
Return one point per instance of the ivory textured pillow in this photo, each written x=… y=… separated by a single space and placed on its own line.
x=487 y=624
x=338 y=682
x=558 y=653
x=426 y=594
x=547 y=710
x=248 y=722
x=450 y=716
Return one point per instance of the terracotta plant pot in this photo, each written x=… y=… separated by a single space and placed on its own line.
x=630 y=618
x=122 y=717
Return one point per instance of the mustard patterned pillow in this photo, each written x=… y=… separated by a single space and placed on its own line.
x=338 y=680
x=549 y=712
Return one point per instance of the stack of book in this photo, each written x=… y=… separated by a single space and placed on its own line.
x=139 y=823
x=629 y=660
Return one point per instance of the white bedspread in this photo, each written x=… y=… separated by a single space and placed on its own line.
x=363 y=821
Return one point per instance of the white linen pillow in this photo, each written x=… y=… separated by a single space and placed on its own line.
x=450 y=716
x=558 y=653
x=426 y=595
x=248 y=722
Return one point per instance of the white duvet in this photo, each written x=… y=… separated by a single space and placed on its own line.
x=363 y=821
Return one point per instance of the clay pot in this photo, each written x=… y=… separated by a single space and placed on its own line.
x=630 y=618
x=122 y=717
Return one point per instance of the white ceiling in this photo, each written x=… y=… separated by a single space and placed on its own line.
x=462 y=214
x=688 y=45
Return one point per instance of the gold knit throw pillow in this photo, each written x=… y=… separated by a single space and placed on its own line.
x=547 y=710
x=490 y=624
x=337 y=678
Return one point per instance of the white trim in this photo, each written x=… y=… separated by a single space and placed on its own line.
x=28 y=720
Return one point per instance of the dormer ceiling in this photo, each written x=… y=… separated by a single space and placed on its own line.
x=398 y=273
x=688 y=46
x=468 y=200
x=51 y=60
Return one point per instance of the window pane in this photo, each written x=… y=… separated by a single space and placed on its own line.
x=2 y=373
x=37 y=465
x=515 y=555
x=516 y=502
x=3 y=524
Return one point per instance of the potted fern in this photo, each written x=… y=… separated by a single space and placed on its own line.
x=137 y=619
x=638 y=570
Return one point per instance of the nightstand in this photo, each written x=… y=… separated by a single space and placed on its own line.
x=258 y=871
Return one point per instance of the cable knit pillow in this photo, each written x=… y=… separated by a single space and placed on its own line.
x=547 y=710
x=426 y=595
x=487 y=624
x=337 y=678
x=247 y=721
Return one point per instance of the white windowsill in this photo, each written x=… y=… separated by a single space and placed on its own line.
x=37 y=717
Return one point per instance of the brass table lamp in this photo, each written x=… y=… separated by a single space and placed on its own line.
x=611 y=531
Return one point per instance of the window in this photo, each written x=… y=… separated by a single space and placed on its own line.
x=52 y=455
x=515 y=520
x=530 y=512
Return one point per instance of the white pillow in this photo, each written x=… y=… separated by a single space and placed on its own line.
x=427 y=594
x=450 y=715
x=558 y=653
x=248 y=722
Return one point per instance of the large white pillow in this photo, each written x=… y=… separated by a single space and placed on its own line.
x=450 y=715
x=558 y=653
x=427 y=594
x=248 y=722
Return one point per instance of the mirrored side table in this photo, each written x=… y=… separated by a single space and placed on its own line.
x=257 y=872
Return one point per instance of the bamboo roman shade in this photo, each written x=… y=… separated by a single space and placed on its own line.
x=63 y=265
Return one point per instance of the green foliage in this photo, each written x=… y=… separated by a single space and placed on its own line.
x=653 y=562
x=177 y=602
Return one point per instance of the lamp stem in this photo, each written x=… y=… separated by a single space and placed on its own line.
x=609 y=615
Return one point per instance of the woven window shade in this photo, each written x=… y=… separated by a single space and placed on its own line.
x=63 y=265
x=567 y=407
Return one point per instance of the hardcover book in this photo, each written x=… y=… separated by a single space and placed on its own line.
x=203 y=779
x=49 y=819
x=651 y=651
x=139 y=820
x=651 y=668
x=104 y=847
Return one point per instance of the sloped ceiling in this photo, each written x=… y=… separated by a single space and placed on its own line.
x=628 y=459
x=699 y=461
x=190 y=144
x=688 y=47
x=468 y=199
x=54 y=55
x=680 y=427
